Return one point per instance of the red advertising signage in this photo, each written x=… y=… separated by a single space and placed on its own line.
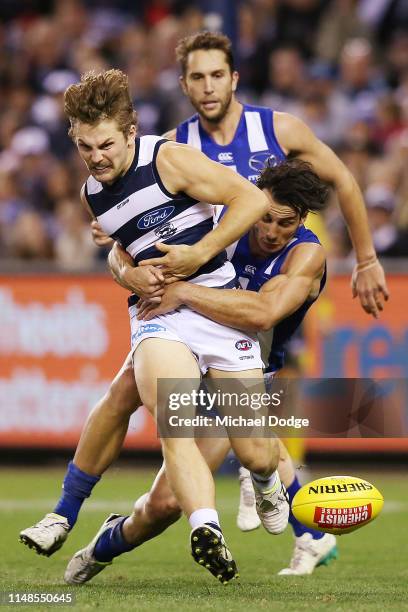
x=62 y=340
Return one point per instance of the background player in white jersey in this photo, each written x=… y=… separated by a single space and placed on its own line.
x=209 y=81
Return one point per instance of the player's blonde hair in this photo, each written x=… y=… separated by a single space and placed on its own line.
x=100 y=96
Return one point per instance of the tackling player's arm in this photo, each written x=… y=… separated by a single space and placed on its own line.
x=368 y=281
x=248 y=310
x=99 y=237
x=185 y=169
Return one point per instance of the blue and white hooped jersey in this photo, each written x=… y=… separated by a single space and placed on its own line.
x=253 y=145
x=253 y=273
x=138 y=211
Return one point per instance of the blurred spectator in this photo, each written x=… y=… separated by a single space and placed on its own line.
x=340 y=22
x=74 y=248
x=147 y=98
x=48 y=111
x=296 y=23
x=388 y=240
x=31 y=147
x=323 y=108
x=397 y=58
x=341 y=65
x=360 y=80
x=286 y=80
x=388 y=120
x=28 y=238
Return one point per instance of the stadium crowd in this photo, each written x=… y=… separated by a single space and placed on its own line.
x=340 y=65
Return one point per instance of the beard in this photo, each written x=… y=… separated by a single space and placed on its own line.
x=225 y=104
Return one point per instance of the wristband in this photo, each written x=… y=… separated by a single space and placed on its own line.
x=367 y=266
x=371 y=260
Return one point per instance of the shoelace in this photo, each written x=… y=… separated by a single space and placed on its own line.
x=300 y=551
x=248 y=493
x=297 y=557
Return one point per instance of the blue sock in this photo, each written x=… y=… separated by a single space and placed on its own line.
x=76 y=488
x=112 y=543
x=297 y=527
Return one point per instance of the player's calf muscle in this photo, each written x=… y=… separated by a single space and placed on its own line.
x=259 y=455
x=123 y=397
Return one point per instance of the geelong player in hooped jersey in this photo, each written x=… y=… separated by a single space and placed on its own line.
x=210 y=81
x=154 y=197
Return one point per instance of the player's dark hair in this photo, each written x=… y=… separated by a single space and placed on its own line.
x=294 y=183
x=204 y=41
x=100 y=96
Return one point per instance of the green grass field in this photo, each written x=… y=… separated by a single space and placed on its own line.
x=370 y=574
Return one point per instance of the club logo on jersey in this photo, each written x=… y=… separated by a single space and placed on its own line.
x=258 y=161
x=250 y=270
x=243 y=345
x=226 y=157
x=155 y=217
x=165 y=231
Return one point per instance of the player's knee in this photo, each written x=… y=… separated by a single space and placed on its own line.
x=162 y=508
x=122 y=396
x=260 y=456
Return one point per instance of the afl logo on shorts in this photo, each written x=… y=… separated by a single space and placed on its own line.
x=243 y=345
x=258 y=161
x=154 y=217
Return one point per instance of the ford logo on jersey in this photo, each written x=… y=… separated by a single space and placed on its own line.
x=243 y=345
x=258 y=161
x=154 y=217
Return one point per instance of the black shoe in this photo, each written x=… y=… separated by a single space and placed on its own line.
x=209 y=550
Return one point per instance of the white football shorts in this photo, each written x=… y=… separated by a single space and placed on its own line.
x=213 y=345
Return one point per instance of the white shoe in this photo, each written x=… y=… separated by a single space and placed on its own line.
x=83 y=565
x=310 y=553
x=247 y=518
x=272 y=507
x=46 y=536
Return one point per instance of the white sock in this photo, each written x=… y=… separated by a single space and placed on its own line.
x=264 y=484
x=203 y=515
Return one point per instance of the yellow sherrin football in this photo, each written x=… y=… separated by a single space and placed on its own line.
x=337 y=504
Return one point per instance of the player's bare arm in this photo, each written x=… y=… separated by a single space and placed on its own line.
x=147 y=282
x=98 y=235
x=185 y=169
x=170 y=135
x=296 y=138
x=248 y=310
x=100 y=238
